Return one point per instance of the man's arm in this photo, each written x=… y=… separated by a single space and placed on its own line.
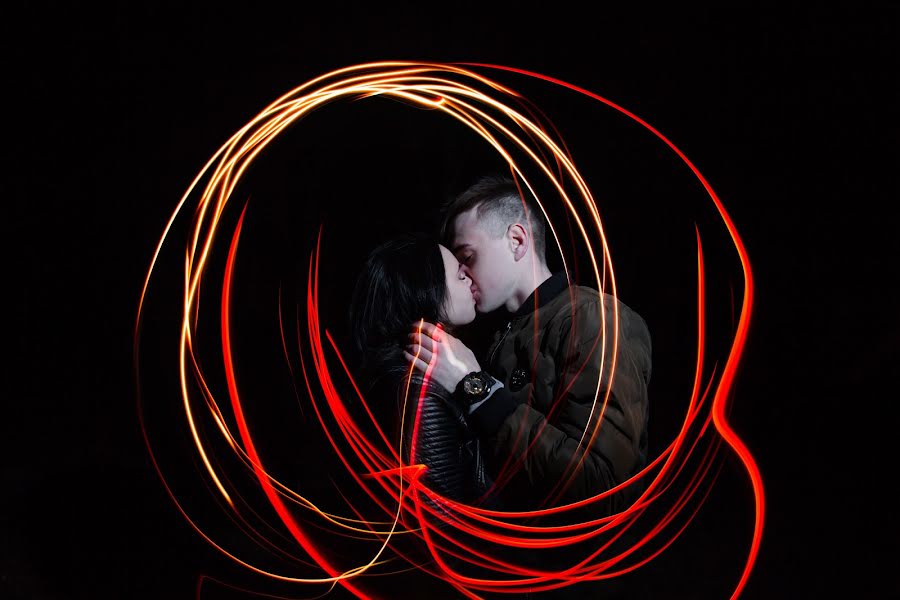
x=547 y=450
x=442 y=357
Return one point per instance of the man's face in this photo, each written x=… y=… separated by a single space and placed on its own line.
x=488 y=260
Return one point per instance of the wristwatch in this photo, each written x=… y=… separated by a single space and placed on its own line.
x=475 y=386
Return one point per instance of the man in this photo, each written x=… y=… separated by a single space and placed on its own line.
x=537 y=410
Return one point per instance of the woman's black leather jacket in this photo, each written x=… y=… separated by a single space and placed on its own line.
x=445 y=444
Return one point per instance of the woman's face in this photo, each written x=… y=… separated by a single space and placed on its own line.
x=459 y=303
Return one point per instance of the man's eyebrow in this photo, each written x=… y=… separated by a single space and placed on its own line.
x=459 y=247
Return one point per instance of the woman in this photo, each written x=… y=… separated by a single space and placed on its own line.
x=405 y=279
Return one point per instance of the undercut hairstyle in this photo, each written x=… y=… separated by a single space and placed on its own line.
x=402 y=281
x=498 y=205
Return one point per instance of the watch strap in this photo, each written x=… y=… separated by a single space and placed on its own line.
x=496 y=385
x=490 y=415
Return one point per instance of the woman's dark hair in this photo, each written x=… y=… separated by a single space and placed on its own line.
x=402 y=281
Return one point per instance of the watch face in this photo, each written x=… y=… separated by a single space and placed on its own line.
x=474 y=386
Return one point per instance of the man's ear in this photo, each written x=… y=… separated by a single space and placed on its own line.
x=519 y=240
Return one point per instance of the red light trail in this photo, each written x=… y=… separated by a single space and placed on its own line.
x=403 y=520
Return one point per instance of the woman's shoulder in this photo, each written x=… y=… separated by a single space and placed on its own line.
x=417 y=381
x=400 y=378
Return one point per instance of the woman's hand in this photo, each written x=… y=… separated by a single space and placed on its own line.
x=434 y=351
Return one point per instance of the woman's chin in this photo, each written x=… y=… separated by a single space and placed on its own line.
x=466 y=320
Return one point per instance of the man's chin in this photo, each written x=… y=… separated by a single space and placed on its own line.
x=482 y=308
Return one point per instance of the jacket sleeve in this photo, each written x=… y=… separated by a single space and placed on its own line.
x=440 y=442
x=547 y=448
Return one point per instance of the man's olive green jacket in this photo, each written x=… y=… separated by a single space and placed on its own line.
x=569 y=358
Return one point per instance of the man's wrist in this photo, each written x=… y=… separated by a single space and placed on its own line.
x=490 y=416
x=494 y=387
x=458 y=379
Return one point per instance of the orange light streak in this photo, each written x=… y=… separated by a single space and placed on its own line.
x=402 y=506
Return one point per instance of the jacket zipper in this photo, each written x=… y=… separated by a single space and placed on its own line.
x=491 y=359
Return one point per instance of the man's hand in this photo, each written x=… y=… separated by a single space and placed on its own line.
x=446 y=359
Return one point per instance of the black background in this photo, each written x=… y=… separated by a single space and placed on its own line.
x=790 y=113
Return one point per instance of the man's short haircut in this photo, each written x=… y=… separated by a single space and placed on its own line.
x=498 y=205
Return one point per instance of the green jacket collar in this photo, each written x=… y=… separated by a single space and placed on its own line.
x=544 y=293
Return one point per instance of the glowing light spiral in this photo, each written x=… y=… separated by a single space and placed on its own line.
x=465 y=544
